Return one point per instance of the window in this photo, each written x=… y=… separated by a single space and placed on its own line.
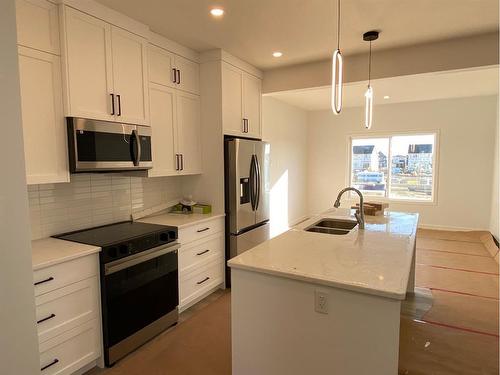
x=400 y=167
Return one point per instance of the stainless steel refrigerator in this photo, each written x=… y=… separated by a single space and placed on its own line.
x=247 y=187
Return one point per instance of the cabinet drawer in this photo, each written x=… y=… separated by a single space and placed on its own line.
x=70 y=351
x=66 y=308
x=62 y=274
x=198 y=231
x=194 y=284
x=198 y=253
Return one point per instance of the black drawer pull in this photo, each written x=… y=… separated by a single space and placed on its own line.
x=203 y=252
x=46 y=318
x=50 y=364
x=202 y=281
x=203 y=230
x=44 y=281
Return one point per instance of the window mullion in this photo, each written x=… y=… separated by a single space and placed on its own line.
x=389 y=170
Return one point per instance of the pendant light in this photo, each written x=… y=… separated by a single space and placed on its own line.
x=337 y=70
x=369 y=36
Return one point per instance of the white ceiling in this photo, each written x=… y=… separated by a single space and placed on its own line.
x=419 y=87
x=304 y=30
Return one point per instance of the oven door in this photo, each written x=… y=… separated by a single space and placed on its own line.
x=108 y=146
x=140 y=299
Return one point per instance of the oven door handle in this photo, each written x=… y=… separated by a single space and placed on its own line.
x=133 y=260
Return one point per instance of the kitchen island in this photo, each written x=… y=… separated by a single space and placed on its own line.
x=315 y=303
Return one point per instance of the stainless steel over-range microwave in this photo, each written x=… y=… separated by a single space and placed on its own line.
x=102 y=146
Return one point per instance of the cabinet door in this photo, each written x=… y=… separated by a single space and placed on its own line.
x=130 y=77
x=189 y=76
x=232 y=120
x=163 y=117
x=44 y=128
x=88 y=67
x=161 y=65
x=189 y=132
x=252 y=97
x=38 y=25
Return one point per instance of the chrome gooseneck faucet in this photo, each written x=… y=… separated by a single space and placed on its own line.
x=360 y=217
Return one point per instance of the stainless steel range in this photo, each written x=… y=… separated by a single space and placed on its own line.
x=139 y=282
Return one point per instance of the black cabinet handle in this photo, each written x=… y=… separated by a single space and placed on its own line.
x=182 y=161
x=112 y=104
x=50 y=364
x=46 y=318
x=176 y=162
x=203 y=230
x=119 y=105
x=202 y=281
x=174 y=75
x=203 y=252
x=178 y=76
x=44 y=281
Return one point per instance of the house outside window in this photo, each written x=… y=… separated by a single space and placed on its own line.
x=395 y=167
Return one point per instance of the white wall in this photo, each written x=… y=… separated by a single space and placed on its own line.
x=18 y=338
x=285 y=128
x=466 y=153
x=494 y=215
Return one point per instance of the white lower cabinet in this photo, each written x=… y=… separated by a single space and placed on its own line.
x=195 y=284
x=70 y=351
x=68 y=315
x=201 y=261
x=66 y=308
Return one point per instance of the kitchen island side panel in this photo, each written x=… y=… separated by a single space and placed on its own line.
x=276 y=330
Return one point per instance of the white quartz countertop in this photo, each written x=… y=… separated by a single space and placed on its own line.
x=50 y=251
x=376 y=260
x=179 y=220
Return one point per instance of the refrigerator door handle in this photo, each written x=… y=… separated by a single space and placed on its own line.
x=258 y=187
x=252 y=182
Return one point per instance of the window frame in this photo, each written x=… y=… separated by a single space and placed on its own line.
x=386 y=198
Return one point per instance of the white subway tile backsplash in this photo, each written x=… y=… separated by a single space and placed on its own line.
x=95 y=199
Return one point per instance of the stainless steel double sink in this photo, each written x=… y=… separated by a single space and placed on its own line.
x=333 y=226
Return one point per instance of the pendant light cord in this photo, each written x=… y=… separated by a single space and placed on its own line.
x=338 y=24
x=370 y=64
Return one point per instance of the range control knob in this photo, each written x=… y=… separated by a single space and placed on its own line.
x=164 y=236
x=112 y=252
x=123 y=249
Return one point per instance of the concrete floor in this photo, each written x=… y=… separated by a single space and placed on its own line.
x=449 y=328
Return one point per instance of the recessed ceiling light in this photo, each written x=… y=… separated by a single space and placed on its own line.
x=217 y=12
x=386 y=96
x=277 y=54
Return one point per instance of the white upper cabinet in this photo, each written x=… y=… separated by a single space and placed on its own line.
x=189 y=132
x=161 y=66
x=241 y=102
x=232 y=100
x=252 y=99
x=44 y=128
x=130 y=76
x=89 y=75
x=176 y=131
x=188 y=75
x=38 y=25
x=169 y=69
x=163 y=130
x=105 y=70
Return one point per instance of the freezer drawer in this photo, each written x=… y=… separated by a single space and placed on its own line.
x=243 y=242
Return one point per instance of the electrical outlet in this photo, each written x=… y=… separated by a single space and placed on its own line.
x=321 y=302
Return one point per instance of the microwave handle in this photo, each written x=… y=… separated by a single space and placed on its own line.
x=136 y=157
